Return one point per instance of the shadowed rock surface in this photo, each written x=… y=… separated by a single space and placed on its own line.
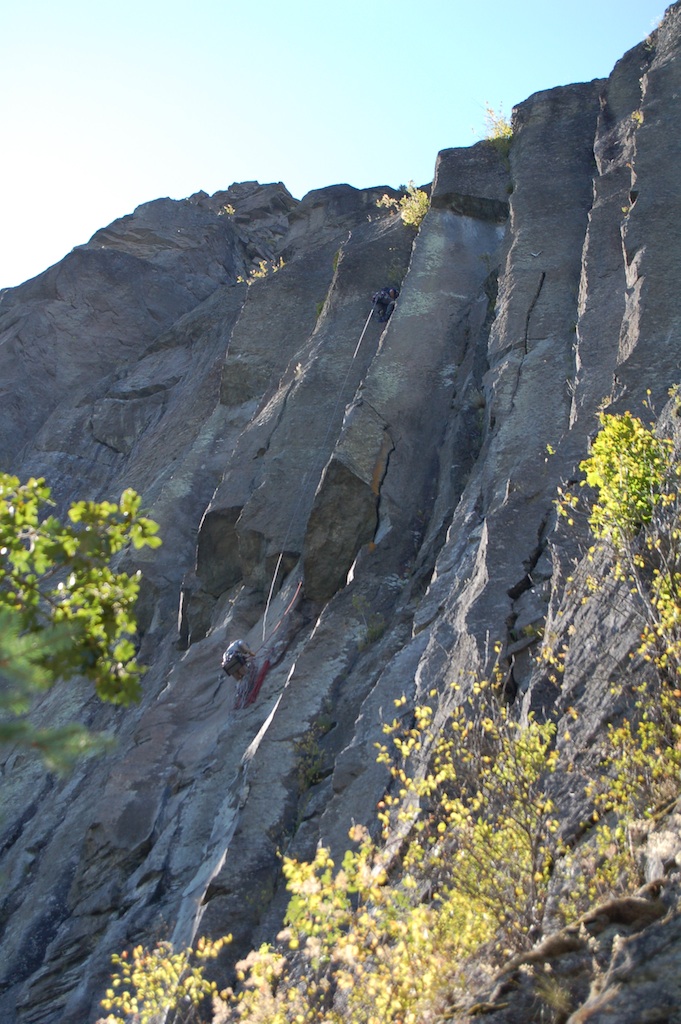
x=399 y=493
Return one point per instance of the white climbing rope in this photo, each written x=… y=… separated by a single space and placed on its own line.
x=362 y=334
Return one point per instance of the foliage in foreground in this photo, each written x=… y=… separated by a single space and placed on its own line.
x=636 y=514
x=470 y=853
x=375 y=942
x=64 y=611
x=364 y=945
x=148 y=984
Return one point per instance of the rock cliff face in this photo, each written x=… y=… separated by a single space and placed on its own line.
x=313 y=494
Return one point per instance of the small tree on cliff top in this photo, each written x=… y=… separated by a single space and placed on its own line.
x=413 y=206
x=497 y=125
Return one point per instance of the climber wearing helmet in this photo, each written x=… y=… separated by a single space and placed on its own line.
x=237 y=659
x=384 y=301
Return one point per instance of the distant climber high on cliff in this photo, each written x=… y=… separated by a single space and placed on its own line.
x=384 y=301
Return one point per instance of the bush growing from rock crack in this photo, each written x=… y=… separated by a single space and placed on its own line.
x=498 y=133
x=412 y=206
x=497 y=125
x=373 y=622
x=263 y=270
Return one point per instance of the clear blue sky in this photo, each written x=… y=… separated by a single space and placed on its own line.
x=106 y=104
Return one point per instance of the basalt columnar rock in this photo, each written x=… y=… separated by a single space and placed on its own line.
x=372 y=518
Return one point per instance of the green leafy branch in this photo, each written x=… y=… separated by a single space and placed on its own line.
x=64 y=611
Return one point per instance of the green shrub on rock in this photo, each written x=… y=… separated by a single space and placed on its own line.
x=413 y=205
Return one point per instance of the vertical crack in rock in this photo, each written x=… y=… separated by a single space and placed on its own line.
x=530 y=310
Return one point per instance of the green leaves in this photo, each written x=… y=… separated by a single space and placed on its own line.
x=478 y=842
x=491 y=828
x=149 y=984
x=412 y=206
x=471 y=854
x=635 y=512
x=64 y=611
x=627 y=467
x=497 y=125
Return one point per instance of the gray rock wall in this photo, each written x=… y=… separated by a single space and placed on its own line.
x=395 y=501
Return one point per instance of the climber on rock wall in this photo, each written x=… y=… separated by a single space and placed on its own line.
x=237 y=659
x=384 y=301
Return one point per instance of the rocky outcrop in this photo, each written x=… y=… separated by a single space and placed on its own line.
x=369 y=506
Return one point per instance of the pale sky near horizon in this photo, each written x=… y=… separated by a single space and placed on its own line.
x=106 y=104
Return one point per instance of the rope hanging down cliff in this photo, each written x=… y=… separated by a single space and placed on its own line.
x=238 y=660
x=308 y=473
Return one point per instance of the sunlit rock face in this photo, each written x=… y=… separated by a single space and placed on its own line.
x=368 y=505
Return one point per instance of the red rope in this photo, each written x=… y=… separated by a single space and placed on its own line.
x=257 y=683
x=247 y=689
